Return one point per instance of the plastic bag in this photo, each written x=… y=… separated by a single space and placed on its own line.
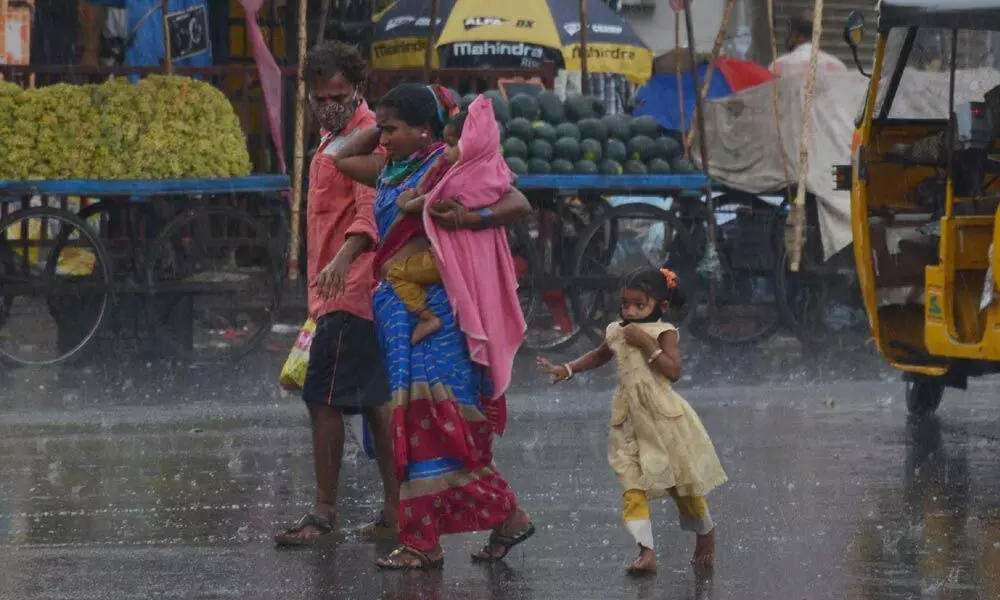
x=293 y=373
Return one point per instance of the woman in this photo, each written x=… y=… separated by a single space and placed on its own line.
x=443 y=417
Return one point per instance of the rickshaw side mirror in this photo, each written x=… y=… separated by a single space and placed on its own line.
x=854 y=34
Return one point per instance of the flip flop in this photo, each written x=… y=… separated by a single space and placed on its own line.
x=392 y=561
x=507 y=542
x=290 y=538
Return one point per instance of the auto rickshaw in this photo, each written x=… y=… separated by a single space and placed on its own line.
x=925 y=182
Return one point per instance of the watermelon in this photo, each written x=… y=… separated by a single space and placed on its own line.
x=562 y=166
x=550 y=108
x=502 y=130
x=520 y=128
x=669 y=147
x=567 y=148
x=683 y=167
x=617 y=126
x=591 y=150
x=524 y=106
x=517 y=165
x=640 y=147
x=610 y=167
x=544 y=131
x=569 y=130
x=586 y=167
x=537 y=166
x=467 y=100
x=500 y=107
x=514 y=148
x=634 y=167
x=579 y=107
x=644 y=125
x=593 y=128
x=542 y=150
x=658 y=166
x=616 y=150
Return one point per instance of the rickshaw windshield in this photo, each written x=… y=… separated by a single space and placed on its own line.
x=922 y=71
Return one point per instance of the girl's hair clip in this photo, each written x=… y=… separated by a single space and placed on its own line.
x=671 y=278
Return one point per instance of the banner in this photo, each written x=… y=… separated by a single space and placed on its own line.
x=270 y=78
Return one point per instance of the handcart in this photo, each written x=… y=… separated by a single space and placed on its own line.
x=196 y=263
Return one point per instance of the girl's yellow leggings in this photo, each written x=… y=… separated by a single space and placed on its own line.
x=693 y=511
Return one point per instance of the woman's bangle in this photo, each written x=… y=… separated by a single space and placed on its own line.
x=654 y=356
x=487 y=217
x=569 y=371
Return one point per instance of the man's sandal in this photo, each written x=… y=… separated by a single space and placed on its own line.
x=505 y=541
x=395 y=561
x=290 y=537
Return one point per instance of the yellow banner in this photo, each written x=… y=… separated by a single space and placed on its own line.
x=635 y=63
x=527 y=21
x=402 y=53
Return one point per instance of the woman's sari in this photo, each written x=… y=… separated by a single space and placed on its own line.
x=443 y=418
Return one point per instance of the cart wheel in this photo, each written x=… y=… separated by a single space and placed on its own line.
x=924 y=394
x=626 y=238
x=528 y=268
x=214 y=280
x=802 y=302
x=55 y=300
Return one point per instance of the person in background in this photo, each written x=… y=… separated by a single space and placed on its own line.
x=345 y=373
x=799 y=44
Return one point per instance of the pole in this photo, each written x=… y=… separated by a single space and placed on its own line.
x=431 y=39
x=798 y=214
x=584 y=30
x=299 y=155
x=324 y=16
x=680 y=84
x=168 y=63
x=699 y=117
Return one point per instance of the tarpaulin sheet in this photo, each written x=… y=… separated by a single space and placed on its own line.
x=190 y=45
x=743 y=144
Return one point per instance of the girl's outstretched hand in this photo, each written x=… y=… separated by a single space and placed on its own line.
x=559 y=373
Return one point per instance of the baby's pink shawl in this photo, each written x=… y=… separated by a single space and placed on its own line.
x=476 y=266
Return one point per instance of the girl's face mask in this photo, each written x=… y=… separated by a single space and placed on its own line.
x=334 y=115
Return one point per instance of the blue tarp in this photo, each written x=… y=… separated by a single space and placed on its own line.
x=658 y=98
x=190 y=44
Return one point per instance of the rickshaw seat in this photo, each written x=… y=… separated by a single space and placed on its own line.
x=905 y=266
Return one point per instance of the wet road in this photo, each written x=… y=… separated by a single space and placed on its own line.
x=151 y=480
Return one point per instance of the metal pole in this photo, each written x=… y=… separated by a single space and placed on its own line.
x=168 y=63
x=584 y=30
x=324 y=16
x=431 y=39
x=299 y=155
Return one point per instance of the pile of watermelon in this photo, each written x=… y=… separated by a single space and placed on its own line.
x=543 y=135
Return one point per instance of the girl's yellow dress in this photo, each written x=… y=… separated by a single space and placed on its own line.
x=657 y=443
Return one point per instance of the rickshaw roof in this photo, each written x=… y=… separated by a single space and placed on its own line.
x=940 y=14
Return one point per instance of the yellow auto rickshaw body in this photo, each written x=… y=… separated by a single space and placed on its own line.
x=924 y=215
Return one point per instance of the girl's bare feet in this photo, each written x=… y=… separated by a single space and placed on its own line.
x=644 y=564
x=704 y=552
x=429 y=323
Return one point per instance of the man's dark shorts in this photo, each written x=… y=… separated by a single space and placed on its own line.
x=345 y=365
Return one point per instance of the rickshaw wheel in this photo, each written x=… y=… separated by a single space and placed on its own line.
x=924 y=395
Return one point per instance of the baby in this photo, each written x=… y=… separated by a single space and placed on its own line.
x=408 y=276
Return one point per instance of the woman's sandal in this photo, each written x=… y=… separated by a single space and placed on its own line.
x=506 y=541
x=378 y=529
x=290 y=537
x=394 y=561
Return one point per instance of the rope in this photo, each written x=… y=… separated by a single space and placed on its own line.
x=680 y=78
x=799 y=207
x=776 y=101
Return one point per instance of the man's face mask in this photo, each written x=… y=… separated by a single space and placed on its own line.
x=334 y=114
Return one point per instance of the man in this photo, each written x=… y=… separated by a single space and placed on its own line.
x=799 y=44
x=345 y=373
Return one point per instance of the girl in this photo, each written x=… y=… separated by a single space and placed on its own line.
x=657 y=444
